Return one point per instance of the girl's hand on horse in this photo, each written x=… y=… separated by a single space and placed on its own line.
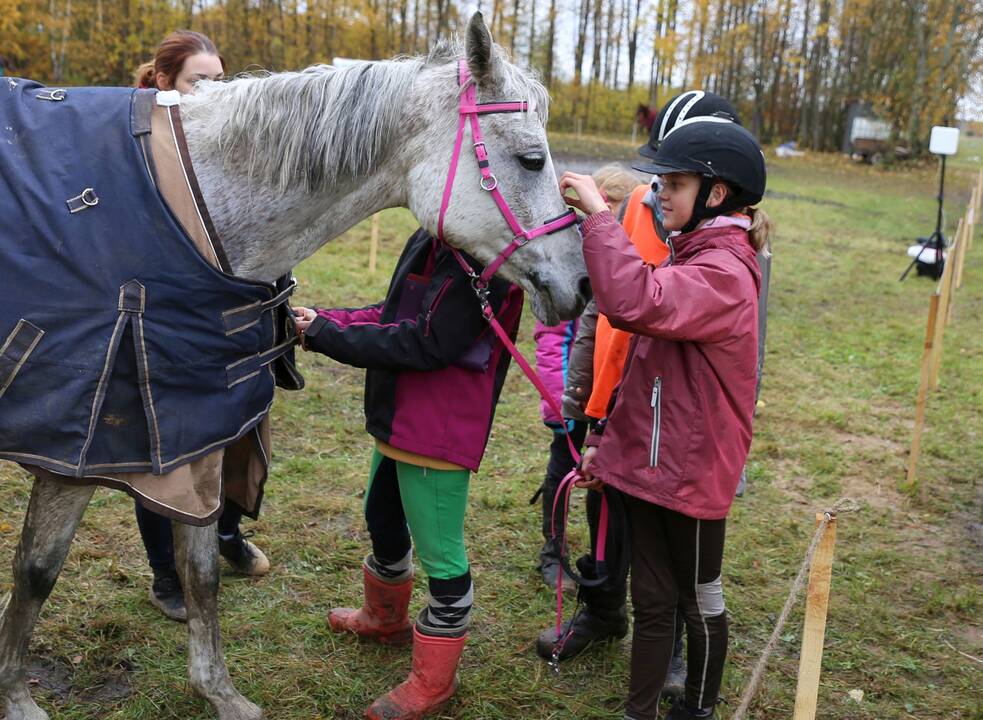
x=587 y=478
x=588 y=198
x=303 y=317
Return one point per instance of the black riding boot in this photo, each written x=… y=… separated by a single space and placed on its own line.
x=603 y=617
x=675 y=686
x=549 y=555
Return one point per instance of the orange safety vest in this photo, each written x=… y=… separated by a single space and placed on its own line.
x=611 y=345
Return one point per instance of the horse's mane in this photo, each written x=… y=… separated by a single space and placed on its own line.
x=324 y=123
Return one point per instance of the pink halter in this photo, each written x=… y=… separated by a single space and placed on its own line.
x=470 y=109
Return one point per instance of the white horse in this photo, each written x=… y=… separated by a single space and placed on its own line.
x=287 y=162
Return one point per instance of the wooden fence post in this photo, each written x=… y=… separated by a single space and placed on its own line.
x=373 y=242
x=955 y=255
x=927 y=356
x=963 y=246
x=945 y=295
x=814 y=629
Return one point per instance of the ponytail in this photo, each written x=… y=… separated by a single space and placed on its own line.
x=144 y=76
x=760 y=231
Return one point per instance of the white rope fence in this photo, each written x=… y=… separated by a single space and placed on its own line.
x=843 y=505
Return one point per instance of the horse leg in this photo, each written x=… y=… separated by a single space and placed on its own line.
x=197 y=563
x=52 y=517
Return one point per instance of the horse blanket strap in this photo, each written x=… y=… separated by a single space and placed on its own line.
x=116 y=352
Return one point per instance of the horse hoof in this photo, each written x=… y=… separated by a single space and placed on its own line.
x=21 y=706
x=239 y=709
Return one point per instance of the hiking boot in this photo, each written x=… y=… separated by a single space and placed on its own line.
x=384 y=615
x=167 y=596
x=681 y=711
x=244 y=557
x=584 y=630
x=550 y=567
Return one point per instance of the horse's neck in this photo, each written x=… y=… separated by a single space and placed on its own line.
x=265 y=232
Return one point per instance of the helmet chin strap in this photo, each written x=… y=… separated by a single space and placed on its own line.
x=701 y=211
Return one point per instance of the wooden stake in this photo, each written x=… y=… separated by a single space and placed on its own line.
x=954 y=255
x=962 y=247
x=945 y=295
x=927 y=356
x=374 y=242
x=814 y=630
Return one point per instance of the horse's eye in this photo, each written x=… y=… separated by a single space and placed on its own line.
x=533 y=161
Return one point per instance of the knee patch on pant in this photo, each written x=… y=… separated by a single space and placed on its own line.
x=710 y=598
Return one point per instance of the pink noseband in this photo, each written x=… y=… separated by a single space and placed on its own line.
x=470 y=109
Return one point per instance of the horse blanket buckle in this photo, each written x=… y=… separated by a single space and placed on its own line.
x=86 y=199
x=54 y=94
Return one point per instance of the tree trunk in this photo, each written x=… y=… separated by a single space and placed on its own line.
x=598 y=36
x=550 y=44
x=515 y=26
x=530 y=55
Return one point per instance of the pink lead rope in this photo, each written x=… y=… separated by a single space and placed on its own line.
x=469 y=111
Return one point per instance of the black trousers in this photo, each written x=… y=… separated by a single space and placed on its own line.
x=158 y=538
x=675 y=567
x=560 y=463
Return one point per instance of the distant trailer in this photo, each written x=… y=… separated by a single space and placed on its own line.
x=865 y=135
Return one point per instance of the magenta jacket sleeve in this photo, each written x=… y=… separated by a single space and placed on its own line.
x=698 y=301
x=346 y=316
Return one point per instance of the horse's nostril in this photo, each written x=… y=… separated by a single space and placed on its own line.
x=584 y=289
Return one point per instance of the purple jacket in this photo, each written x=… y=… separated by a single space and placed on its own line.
x=679 y=424
x=553 y=345
x=434 y=366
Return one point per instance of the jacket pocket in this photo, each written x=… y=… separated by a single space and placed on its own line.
x=438 y=296
x=656 y=422
x=15 y=351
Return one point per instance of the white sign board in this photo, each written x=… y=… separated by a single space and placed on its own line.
x=944 y=140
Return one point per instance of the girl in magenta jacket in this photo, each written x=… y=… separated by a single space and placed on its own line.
x=678 y=428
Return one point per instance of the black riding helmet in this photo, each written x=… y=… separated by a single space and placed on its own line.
x=690 y=104
x=716 y=149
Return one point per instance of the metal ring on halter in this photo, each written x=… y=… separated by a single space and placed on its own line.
x=489 y=188
x=54 y=95
x=89 y=197
x=521 y=239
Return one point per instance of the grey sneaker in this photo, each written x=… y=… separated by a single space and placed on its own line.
x=244 y=557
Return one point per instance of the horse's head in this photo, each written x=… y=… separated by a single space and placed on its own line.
x=550 y=268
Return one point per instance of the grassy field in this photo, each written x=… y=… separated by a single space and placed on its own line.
x=844 y=343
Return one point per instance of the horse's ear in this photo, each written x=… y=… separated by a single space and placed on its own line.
x=478 y=47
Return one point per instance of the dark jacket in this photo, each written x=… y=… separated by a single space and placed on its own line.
x=679 y=425
x=435 y=368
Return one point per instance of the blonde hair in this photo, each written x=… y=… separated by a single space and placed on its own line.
x=761 y=229
x=616 y=182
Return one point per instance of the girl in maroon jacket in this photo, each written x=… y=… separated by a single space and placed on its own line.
x=678 y=428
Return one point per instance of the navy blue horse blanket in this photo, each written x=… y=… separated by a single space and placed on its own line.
x=121 y=349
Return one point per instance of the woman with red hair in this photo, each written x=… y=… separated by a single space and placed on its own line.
x=181 y=60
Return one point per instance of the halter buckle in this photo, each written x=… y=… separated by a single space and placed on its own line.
x=480 y=289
